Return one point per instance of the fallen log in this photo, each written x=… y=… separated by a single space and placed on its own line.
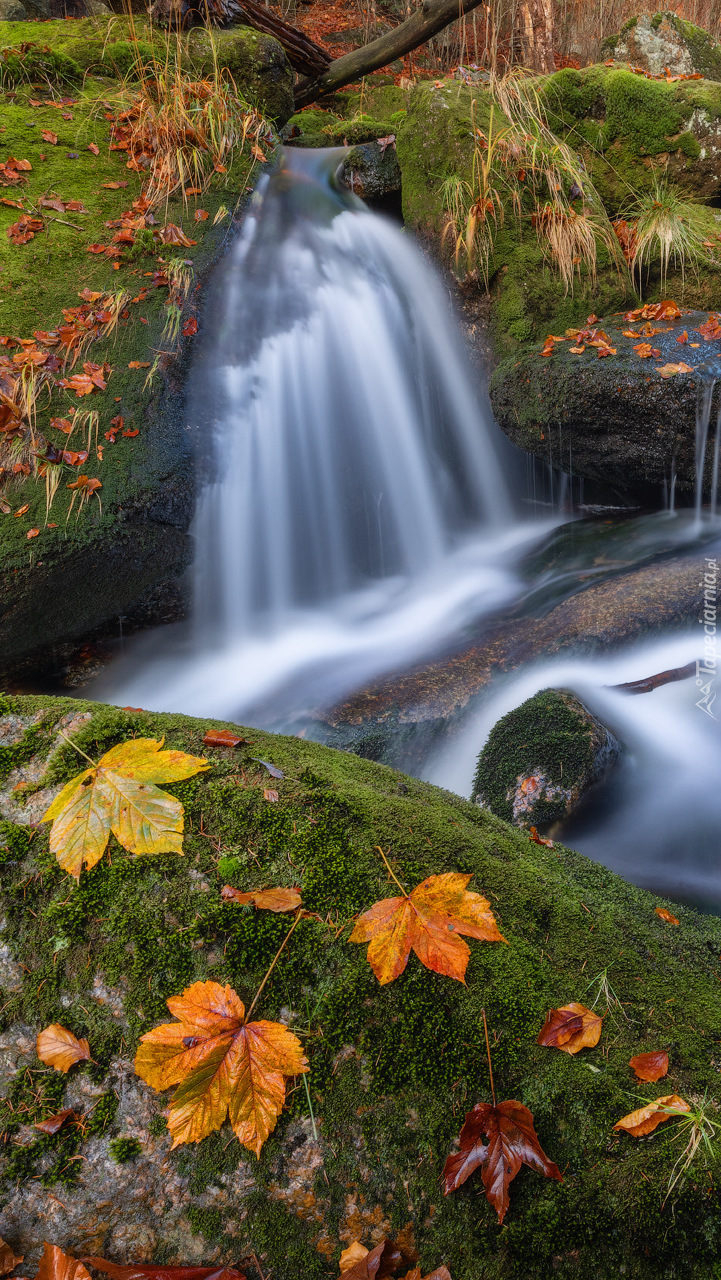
x=430 y=17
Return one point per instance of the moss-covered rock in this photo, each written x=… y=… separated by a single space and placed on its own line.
x=61 y=51
x=630 y=131
x=393 y=1069
x=113 y=551
x=617 y=417
x=666 y=41
x=541 y=758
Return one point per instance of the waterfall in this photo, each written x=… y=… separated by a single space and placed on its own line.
x=353 y=511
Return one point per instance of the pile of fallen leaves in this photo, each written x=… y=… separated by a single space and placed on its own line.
x=593 y=336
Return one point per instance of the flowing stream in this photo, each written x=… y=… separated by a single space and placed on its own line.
x=359 y=511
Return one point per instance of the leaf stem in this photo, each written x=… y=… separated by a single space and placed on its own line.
x=77 y=748
x=310 y=1106
x=391 y=871
x=488 y=1052
x=273 y=963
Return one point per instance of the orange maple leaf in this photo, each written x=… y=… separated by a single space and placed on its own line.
x=222 y=1065
x=571 y=1028
x=427 y=921
x=646 y=1119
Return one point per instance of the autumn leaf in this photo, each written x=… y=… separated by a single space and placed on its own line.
x=54 y=1124
x=370 y=1264
x=201 y=215
x=138 y=1271
x=59 y=1048
x=94 y=148
x=8 y=1261
x=139 y=364
x=265 y=899
x=571 y=1028
x=683 y=337
x=646 y=1119
x=511 y=1142
x=271 y=795
x=670 y=370
x=427 y=921
x=222 y=738
x=190 y=328
x=171 y=234
x=650 y=1066
x=222 y=1066
x=32 y=533
x=118 y=794
x=534 y=837
x=645 y=350
x=56 y=1265
x=49 y=136
x=663 y=914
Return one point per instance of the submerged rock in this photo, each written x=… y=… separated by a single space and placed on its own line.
x=371 y=170
x=541 y=758
x=666 y=42
x=393 y=1068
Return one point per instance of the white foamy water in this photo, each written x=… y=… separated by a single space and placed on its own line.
x=354 y=513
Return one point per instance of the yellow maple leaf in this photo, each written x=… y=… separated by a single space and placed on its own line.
x=118 y=794
x=59 y=1048
x=222 y=1066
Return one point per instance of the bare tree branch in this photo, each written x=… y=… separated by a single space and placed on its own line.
x=430 y=17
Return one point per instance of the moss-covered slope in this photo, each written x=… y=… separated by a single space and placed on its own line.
x=393 y=1069
x=135 y=536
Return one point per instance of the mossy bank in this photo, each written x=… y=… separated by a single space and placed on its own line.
x=132 y=536
x=393 y=1069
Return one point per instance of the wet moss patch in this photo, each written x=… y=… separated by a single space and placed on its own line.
x=393 y=1069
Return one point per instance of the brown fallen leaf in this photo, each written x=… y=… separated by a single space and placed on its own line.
x=272 y=796
x=49 y=136
x=511 y=1142
x=646 y=1119
x=370 y=1264
x=571 y=1028
x=94 y=148
x=683 y=337
x=54 y=1124
x=56 y=1265
x=650 y=1066
x=222 y=738
x=21 y=510
x=171 y=234
x=8 y=1261
x=190 y=328
x=201 y=215
x=222 y=1065
x=645 y=350
x=428 y=921
x=663 y=914
x=670 y=370
x=139 y=364
x=59 y=1048
x=147 y=1271
x=265 y=899
x=577 y=351
x=32 y=533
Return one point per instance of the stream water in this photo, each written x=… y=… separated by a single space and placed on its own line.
x=359 y=511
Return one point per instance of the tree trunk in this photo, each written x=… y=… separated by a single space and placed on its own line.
x=430 y=17
x=534 y=35
x=304 y=55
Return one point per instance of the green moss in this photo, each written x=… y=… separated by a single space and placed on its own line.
x=547 y=735
x=123 y=1149
x=34 y=62
x=393 y=1068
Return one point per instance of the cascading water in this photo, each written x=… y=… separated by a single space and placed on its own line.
x=354 y=518
x=353 y=508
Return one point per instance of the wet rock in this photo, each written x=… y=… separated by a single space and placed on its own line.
x=371 y=170
x=541 y=758
x=400 y=720
x=619 y=420
x=666 y=41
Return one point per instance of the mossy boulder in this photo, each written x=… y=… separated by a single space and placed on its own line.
x=107 y=553
x=393 y=1068
x=620 y=420
x=664 y=41
x=631 y=131
x=541 y=758
x=117 y=48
